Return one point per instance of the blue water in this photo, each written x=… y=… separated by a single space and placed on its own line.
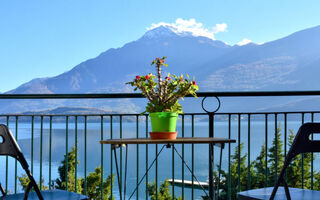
x=257 y=137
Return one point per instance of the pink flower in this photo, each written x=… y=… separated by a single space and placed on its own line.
x=147 y=76
x=194 y=83
x=138 y=78
x=181 y=79
x=162 y=61
x=168 y=78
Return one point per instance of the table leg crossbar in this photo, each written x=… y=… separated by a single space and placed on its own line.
x=117 y=167
x=147 y=170
x=150 y=166
x=184 y=162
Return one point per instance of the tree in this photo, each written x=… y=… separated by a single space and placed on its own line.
x=260 y=169
x=294 y=170
x=164 y=192
x=62 y=180
x=276 y=157
x=234 y=174
x=94 y=185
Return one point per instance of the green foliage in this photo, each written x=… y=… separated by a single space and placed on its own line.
x=234 y=171
x=62 y=180
x=260 y=168
x=93 y=179
x=94 y=185
x=164 y=192
x=163 y=95
x=24 y=182
x=276 y=157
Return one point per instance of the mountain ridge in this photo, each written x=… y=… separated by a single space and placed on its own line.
x=288 y=63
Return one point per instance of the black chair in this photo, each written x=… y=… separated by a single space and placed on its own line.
x=301 y=144
x=9 y=147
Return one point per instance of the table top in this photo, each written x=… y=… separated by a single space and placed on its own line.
x=184 y=140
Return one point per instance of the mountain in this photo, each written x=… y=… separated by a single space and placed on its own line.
x=289 y=63
x=283 y=64
x=111 y=69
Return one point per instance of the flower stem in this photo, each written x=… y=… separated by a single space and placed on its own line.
x=158 y=66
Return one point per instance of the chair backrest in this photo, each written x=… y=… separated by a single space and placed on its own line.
x=302 y=143
x=10 y=147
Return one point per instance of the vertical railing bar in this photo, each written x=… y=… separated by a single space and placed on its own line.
x=266 y=150
x=120 y=153
x=285 y=140
x=101 y=145
x=67 y=159
x=211 y=158
x=137 y=172
x=32 y=139
x=172 y=172
x=41 y=145
x=302 y=157
x=276 y=145
x=111 y=159
x=239 y=156
x=7 y=161
x=50 y=153
x=76 y=156
x=156 y=172
x=85 y=156
x=249 y=167
x=229 y=156
x=192 y=156
x=312 y=155
x=147 y=157
x=15 y=162
x=182 y=165
x=213 y=117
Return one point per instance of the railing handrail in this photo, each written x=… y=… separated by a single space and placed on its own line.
x=139 y=95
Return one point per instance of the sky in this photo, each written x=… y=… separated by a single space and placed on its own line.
x=44 y=38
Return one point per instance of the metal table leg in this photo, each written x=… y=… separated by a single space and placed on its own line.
x=114 y=147
x=2 y=191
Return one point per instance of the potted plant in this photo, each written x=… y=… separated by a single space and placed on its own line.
x=163 y=95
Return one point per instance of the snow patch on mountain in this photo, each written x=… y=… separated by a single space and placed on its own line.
x=184 y=28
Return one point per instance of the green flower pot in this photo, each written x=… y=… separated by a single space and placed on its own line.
x=163 y=121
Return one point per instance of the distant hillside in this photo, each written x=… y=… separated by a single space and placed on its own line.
x=60 y=113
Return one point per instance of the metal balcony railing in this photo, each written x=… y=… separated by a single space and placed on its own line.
x=46 y=138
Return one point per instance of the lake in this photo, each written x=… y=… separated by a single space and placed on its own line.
x=257 y=137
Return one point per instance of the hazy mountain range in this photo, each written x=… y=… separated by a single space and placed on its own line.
x=289 y=63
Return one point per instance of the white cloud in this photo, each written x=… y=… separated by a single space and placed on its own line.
x=192 y=26
x=220 y=28
x=244 y=41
